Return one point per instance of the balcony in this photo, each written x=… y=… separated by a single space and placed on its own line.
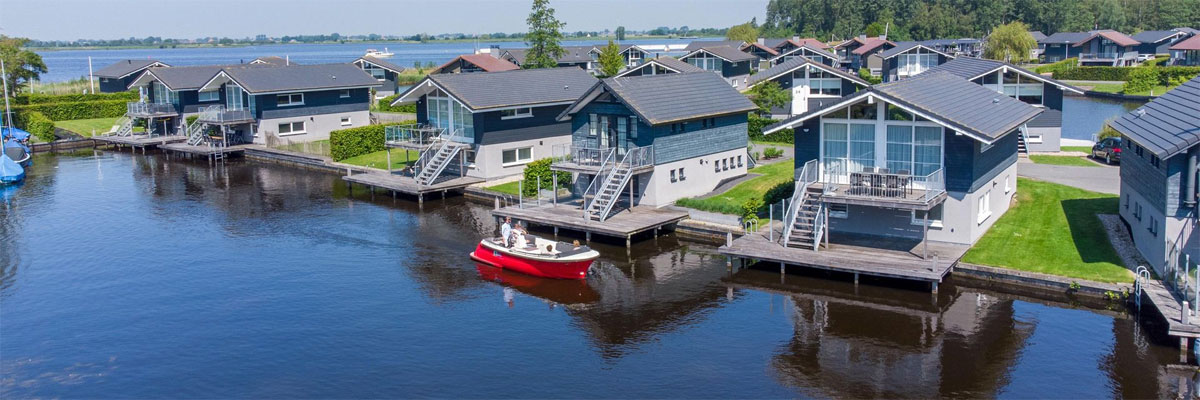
x=573 y=157
x=880 y=187
x=146 y=110
x=1108 y=57
x=219 y=115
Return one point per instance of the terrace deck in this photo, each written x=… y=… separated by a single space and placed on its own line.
x=408 y=185
x=1171 y=309
x=205 y=150
x=624 y=223
x=142 y=141
x=857 y=254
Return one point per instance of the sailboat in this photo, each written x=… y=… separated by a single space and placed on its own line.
x=14 y=151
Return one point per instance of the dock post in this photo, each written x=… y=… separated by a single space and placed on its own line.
x=556 y=231
x=554 y=197
x=1183 y=312
x=1183 y=349
x=627 y=241
x=782 y=268
x=420 y=198
x=520 y=194
x=389 y=160
x=497 y=201
x=587 y=236
x=729 y=238
x=855 y=279
x=539 y=191
x=934 y=286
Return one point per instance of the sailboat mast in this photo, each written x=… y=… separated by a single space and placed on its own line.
x=7 y=112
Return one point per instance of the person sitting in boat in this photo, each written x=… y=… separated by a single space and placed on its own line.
x=519 y=240
x=506 y=232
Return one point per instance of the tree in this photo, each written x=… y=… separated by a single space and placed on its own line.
x=875 y=29
x=1009 y=42
x=768 y=95
x=611 y=60
x=20 y=65
x=744 y=32
x=544 y=37
x=620 y=33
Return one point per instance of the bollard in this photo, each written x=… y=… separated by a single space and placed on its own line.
x=770 y=215
x=554 y=197
x=729 y=238
x=1183 y=313
x=520 y=194
x=539 y=191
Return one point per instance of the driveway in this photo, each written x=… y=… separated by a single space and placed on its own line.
x=1102 y=178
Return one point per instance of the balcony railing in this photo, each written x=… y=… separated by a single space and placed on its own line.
x=855 y=180
x=414 y=135
x=222 y=115
x=1108 y=56
x=586 y=156
x=137 y=108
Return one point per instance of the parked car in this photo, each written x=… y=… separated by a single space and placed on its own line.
x=1108 y=150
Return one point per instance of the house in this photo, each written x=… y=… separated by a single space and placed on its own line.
x=866 y=54
x=660 y=65
x=503 y=120
x=653 y=139
x=932 y=157
x=812 y=84
x=117 y=76
x=1093 y=48
x=785 y=45
x=167 y=94
x=272 y=60
x=1155 y=43
x=969 y=47
x=814 y=53
x=1044 y=132
x=909 y=59
x=573 y=56
x=1186 y=52
x=474 y=63
x=700 y=44
x=1036 y=52
x=1161 y=148
x=384 y=71
x=632 y=54
x=762 y=51
x=732 y=64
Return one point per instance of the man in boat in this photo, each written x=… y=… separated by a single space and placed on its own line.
x=506 y=232
x=519 y=237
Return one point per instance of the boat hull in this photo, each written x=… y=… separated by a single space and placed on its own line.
x=532 y=266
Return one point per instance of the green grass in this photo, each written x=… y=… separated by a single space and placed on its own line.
x=506 y=188
x=1081 y=149
x=731 y=201
x=1074 y=161
x=1120 y=88
x=379 y=159
x=1053 y=229
x=84 y=127
x=318 y=147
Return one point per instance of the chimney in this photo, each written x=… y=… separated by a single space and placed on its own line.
x=796 y=38
x=761 y=41
x=863 y=36
x=494 y=50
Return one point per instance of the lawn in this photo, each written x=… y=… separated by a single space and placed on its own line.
x=1120 y=87
x=506 y=188
x=318 y=147
x=731 y=201
x=1081 y=149
x=85 y=127
x=1053 y=229
x=1074 y=161
x=379 y=159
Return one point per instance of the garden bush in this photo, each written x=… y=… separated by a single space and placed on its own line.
x=865 y=74
x=1058 y=66
x=781 y=191
x=755 y=125
x=750 y=208
x=1141 y=79
x=1164 y=74
x=385 y=105
x=540 y=169
x=354 y=142
x=65 y=111
x=36 y=98
x=772 y=152
x=38 y=125
x=191 y=119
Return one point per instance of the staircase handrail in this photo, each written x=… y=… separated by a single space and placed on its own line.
x=818 y=226
x=805 y=178
x=435 y=144
x=442 y=145
x=596 y=182
x=632 y=160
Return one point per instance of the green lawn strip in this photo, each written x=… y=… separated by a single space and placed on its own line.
x=84 y=127
x=506 y=188
x=379 y=159
x=1120 y=88
x=1081 y=149
x=731 y=201
x=1074 y=161
x=1053 y=229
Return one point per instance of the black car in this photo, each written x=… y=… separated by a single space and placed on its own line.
x=1108 y=150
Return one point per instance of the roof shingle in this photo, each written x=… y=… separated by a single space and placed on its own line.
x=125 y=67
x=1167 y=125
x=661 y=99
x=520 y=87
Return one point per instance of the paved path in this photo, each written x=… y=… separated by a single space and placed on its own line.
x=1103 y=179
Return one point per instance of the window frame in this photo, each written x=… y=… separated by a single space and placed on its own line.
x=292 y=128
x=516 y=113
x=517 y=160
x=985 y=207
x=216 y=96
x=290 y=102
x=346 y=121
x=344 y=94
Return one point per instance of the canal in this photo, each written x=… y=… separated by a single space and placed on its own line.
x=136 y=276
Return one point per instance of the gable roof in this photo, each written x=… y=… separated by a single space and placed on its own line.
x=872 y=44
x=725 y=53
x=670 y=63
x=663 y=99
x=1065 y=37
x=483 y=61
x=1167 y=125
x=381 y=63
x=902 y=47
x=821 y=52
x=970 y=68
x=1156 y=36
x=273 y=60
x=794 y=64
x=299 y=77
x=853 y=40
x=571 y=54
x=1037 y=35
x=981 y=113
x=1119 y=38
x=699 y=44
x=187 y=77
x=123 y=68
x=1192 y=43
x=760 y=46
x=521 y=87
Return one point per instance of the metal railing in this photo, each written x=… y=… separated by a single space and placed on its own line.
x=222 y=115
x=139 y=108
x=593 y=189
x=819 y=226
x=585 y=155
x=805 y=176
x=638 y=157
x=859 y=181
x=1108 y=56
x=413 y=134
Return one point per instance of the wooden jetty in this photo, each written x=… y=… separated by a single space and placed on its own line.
x=897 y=258
x=397 y=183
x=623 y=223
x=207 y=151
x=1180 y=323
x=140 y=141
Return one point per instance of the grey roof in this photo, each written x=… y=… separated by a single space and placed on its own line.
x=732 y=54
x=671 y=63
x=822 y=52
x=193 y=76
x=484 y=90
x=902 y=47
x=1186 y=30
x=572 y=54
x=662 y=99
x=124 y=67
x=700 y=44
x=382 y=63
x=274 y=60
x=300 y=77
x=948 y=99
x=1049 y=118
x=1037 y=35
x=1167 y=125
x=792 y=64
x=949 y=42
x=970 y=68
x=1154 y=36
x=1066 y=37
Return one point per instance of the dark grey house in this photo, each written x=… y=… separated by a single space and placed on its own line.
x=1044 y=132
x=732 y=64
x=117 y=77
x=650 y=140
x=660 y=65
x=501 y=120
x=812 y=84
x=1155 y=43
x=170 y=93
x=1159 y=176
x=383 y=71
x=810 y=52
x=933 y=151
x=909 y=59
x=1104 y=47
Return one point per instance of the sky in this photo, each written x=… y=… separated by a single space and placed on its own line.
x=112 y=19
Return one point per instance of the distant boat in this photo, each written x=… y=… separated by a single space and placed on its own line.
x=380 y=54
x=689 y=37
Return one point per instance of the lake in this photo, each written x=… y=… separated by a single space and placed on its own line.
x=1084 y=116
x=137 y=276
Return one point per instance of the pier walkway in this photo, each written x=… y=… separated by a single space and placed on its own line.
x=623 y=223
x=140 y=141
x=397 y=183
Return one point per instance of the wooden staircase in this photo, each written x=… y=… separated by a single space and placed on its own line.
x=1022 y=150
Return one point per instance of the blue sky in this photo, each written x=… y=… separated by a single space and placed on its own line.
x=110 y=19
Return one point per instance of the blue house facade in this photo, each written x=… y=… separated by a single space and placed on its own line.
x=118 y=76
x=732 y=64
x=383 y=71
x=812 y=84
x=908 y=59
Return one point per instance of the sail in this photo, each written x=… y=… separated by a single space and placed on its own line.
x=10 y=171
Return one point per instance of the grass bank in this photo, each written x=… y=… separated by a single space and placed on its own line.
x=730 y=202
x=1053 y=229
x=1081 y=149
x=506 y=188
x=1074 y=161
x=1119 y=88
x=379 y=159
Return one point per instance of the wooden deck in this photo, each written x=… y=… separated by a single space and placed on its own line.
x=907 y=199
x=622 y=224
x=1171 y=309
x=856 y=254
x=140 y=140
x=396 y=182
x=204 y=150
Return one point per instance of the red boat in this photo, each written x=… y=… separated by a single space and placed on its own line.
x=560 y=291
x=541 y=257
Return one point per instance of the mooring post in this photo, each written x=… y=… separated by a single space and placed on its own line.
x=855 y=279
x=1183 y=349
x=628 y=240
x=420 y=198
x=497 y=201
x=587 y=236
x=521 y=194
x=934 y=286
x=782 y=268
x=554 y=197
x=556 y=231
x=729 y=238
x=1183 y=313
x=539 y=191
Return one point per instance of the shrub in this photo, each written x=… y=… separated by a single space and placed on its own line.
x=772 y=152
x=755 y=125
x=865 y=74
x=65 y=111
x=1165 y=74
x=1156 y=61
x=709 y=205
x=385 y=105
x=39 y=125
x=781 y=191
x=36 y=98
x=354 y=142
x=1141 y=79
x=750 y=208
x=191 y=119
x=540 y=169
x=1058 y=66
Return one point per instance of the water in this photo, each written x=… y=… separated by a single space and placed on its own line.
x=70 y=64
x=134 y=276
x=1084 y=116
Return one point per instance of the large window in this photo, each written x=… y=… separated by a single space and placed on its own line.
x=516 y=113
x=821 y=83
x=294 y=99
x=212 y=95
x=375 y=71
x=516 y=156
x=291 y=128
x=444 y=112
x=849 y=146
x=858 y=138
x=1022 y=88
x=705 y=61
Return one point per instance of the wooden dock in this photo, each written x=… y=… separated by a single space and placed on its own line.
x=1170 y=307
x=140 y=141
x=858 y=255
x=397 y=183
x=204 y=150
x=623 y=223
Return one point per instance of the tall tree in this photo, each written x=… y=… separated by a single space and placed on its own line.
x=744 y=32
x=1009 y=42
x=544 y=37
x=20 y=65
x=768 y=95
x=610 y=59
x=620 y=33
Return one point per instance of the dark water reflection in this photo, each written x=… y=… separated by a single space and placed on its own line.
x=136 y=276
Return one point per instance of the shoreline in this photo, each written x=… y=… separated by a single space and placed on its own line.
x=433 y=41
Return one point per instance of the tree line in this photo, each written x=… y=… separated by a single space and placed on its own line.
x=934 y=19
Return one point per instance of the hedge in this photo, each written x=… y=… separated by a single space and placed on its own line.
x=1165 y=74
x=354 y=142
x=755 y=125
x=65 y=111
x=1058 y=66
x=39 y=125
x=35 y=98
x=540 y=169
x=385 y=105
